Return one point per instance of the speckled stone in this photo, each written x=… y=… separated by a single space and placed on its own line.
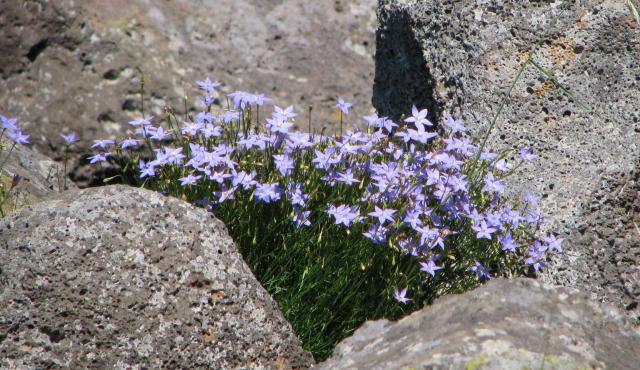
x=40 y=177
x=120 y=277
x=461 y=57
x=505 y=324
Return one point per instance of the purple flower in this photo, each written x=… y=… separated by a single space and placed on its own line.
x=493 y=185
x=205 y=117
x=533 y=215
x=9 y=123
x=343 y=214
x=347 y=177
x=298 y=198
x=494 y=220
x=141 y=121
x=159 y=134
x=267 y=192
x=208 y=85
x=412 y=217
x=191 y=129
x=128 y=143
x=343 y=106
x=501 y=165
x=483 y=231
x=487 y=155
x=100 y=157
x=278 y=125
x=283 y=114
x=102 y=143
x=526 y=154
x=429 y=267
x=553 y=243
x=387 y=124
x=251 y=141
x=400 y=296
x=373 y=120
x=377 y=233
x=225 y=193
x=536 y=255
x=284 y=164
x=420 y=135
x=455 y=125
x=241 y=99
x=508 y=244
x=245 y=179
x=146 y=169
x=475 y=216
x=170 y=155
x=190 y=179
x=219 y=176
x=481 y=271
x=419 y=118
x=511 y=217
x=69 y=139
x=260 y=99
x=301 y=218
x=427 y=234
x=458 y=183
x=530 y=199
x=230 y=116
x=210 y=130
x=19 y=137
x=207 y=99
x=383 y=215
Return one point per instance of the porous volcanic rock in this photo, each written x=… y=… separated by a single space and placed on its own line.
x=125 y=277
x=608 y=238
x=462 y=57
x=75 y=65
x=505 y=324
x=38 y=177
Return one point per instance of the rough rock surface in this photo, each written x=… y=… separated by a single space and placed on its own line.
x=73 y=65
x=461 y=57
x=608 y=238
x=39 y=176
x=126 y=278
x=505 y=324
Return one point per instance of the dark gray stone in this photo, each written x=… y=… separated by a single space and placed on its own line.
x=74 y=64
x=127 y=278
x=461 y=57
x=505 y=324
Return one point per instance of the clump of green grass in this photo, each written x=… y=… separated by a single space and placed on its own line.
x=366 y=224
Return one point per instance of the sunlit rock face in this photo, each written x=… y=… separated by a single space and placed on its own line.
x=505 y=324
x=120 y=277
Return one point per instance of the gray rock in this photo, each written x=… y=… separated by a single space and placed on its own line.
x=39 y=176
x=505 y=324
x=127 y=278
x=74 y=64
x=460 y=58
x=608 y=240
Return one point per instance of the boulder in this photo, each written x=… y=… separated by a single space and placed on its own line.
x=30 y=175
x=505 y=324
x=578 y=110
x=127 y=278
x=75 y=65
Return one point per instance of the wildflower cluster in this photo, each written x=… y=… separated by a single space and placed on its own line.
x=431 y=204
